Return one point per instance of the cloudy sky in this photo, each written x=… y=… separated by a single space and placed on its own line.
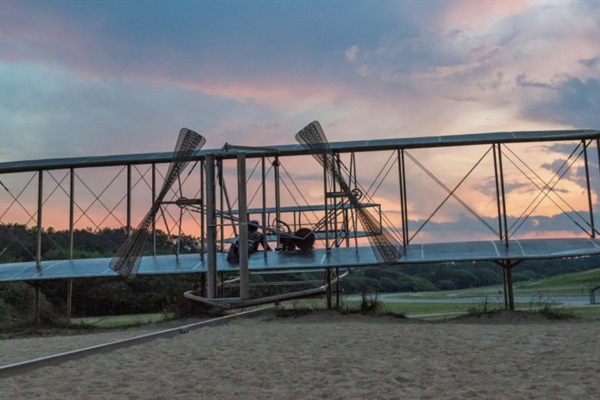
x=110 y=77
x=115 y=77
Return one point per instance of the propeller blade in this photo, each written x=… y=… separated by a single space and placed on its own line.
x=385 y=247
x=187 y=144
x=127 y=259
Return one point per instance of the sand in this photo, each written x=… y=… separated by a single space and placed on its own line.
x=325 y=355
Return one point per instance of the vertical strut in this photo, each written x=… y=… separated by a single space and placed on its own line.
x=403 y=197
x=503 y=196
x=353 y=215
x=202 y=211
x=154 y=216
x=589 y=190
x=498 y=195
x=221 y=201
x=211 y=234
x=243 y=221
x=128 y=200
x=277 y=201
x=509 y=284
x=264 y=204
x=326 y=208
x=71 y=212
x=69 y=297
x=38 y=254
x=328 y=292
x=337 y=162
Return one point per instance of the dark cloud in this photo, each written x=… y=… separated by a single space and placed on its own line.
x=488 y=187
x=564 y=171
x=210 y=40
x=523 y=82
x=590 y=62
x=572 y=102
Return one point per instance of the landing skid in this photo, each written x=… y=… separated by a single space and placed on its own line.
x=236 y=302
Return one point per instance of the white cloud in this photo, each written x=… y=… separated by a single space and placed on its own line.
x=351 y=53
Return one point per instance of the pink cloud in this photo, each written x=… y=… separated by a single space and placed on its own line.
x=482 y=13
x=26 y=34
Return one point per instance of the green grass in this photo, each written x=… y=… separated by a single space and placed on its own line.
x=540 y=291
x=490 y=291
x=407 y=309
x=587 y=313
x=575 y=284
x=571 y=283
x=120 y=321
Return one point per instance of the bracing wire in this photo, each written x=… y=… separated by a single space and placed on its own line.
x=451 y=193
x=544 y=192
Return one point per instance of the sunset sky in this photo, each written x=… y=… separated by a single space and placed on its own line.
x=117 y=77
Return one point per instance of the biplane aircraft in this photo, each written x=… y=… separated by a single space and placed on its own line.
x=348 y=230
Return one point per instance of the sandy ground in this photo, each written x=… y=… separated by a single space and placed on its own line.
x=325 y=355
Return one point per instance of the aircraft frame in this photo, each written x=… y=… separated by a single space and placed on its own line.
x=214 y=209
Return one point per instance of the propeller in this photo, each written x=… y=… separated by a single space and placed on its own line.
x=127 y=259
x=385 y=247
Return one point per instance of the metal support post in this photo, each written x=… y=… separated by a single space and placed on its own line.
x=277 y=201
x=202 y=211
x=498 y=193
x=243 y=221
x=326 y=208
x=353 y=184
x=337 y=164
x=38 y=255
x=36 y=299
x=503 y=195
x=128 y=200
x=221 y=205
x=403 y=205
x=347 y=227
x=264 y=205
x=154 y=217
x=589 y=190
x=337 y=288
x=509 y=297
x=504 y=286
x=211 y=233
x=69 y=298
x=71 y=213
x=328 y=277
x=509 y=283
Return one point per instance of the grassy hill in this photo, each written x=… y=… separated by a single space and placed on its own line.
x=574 y=282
